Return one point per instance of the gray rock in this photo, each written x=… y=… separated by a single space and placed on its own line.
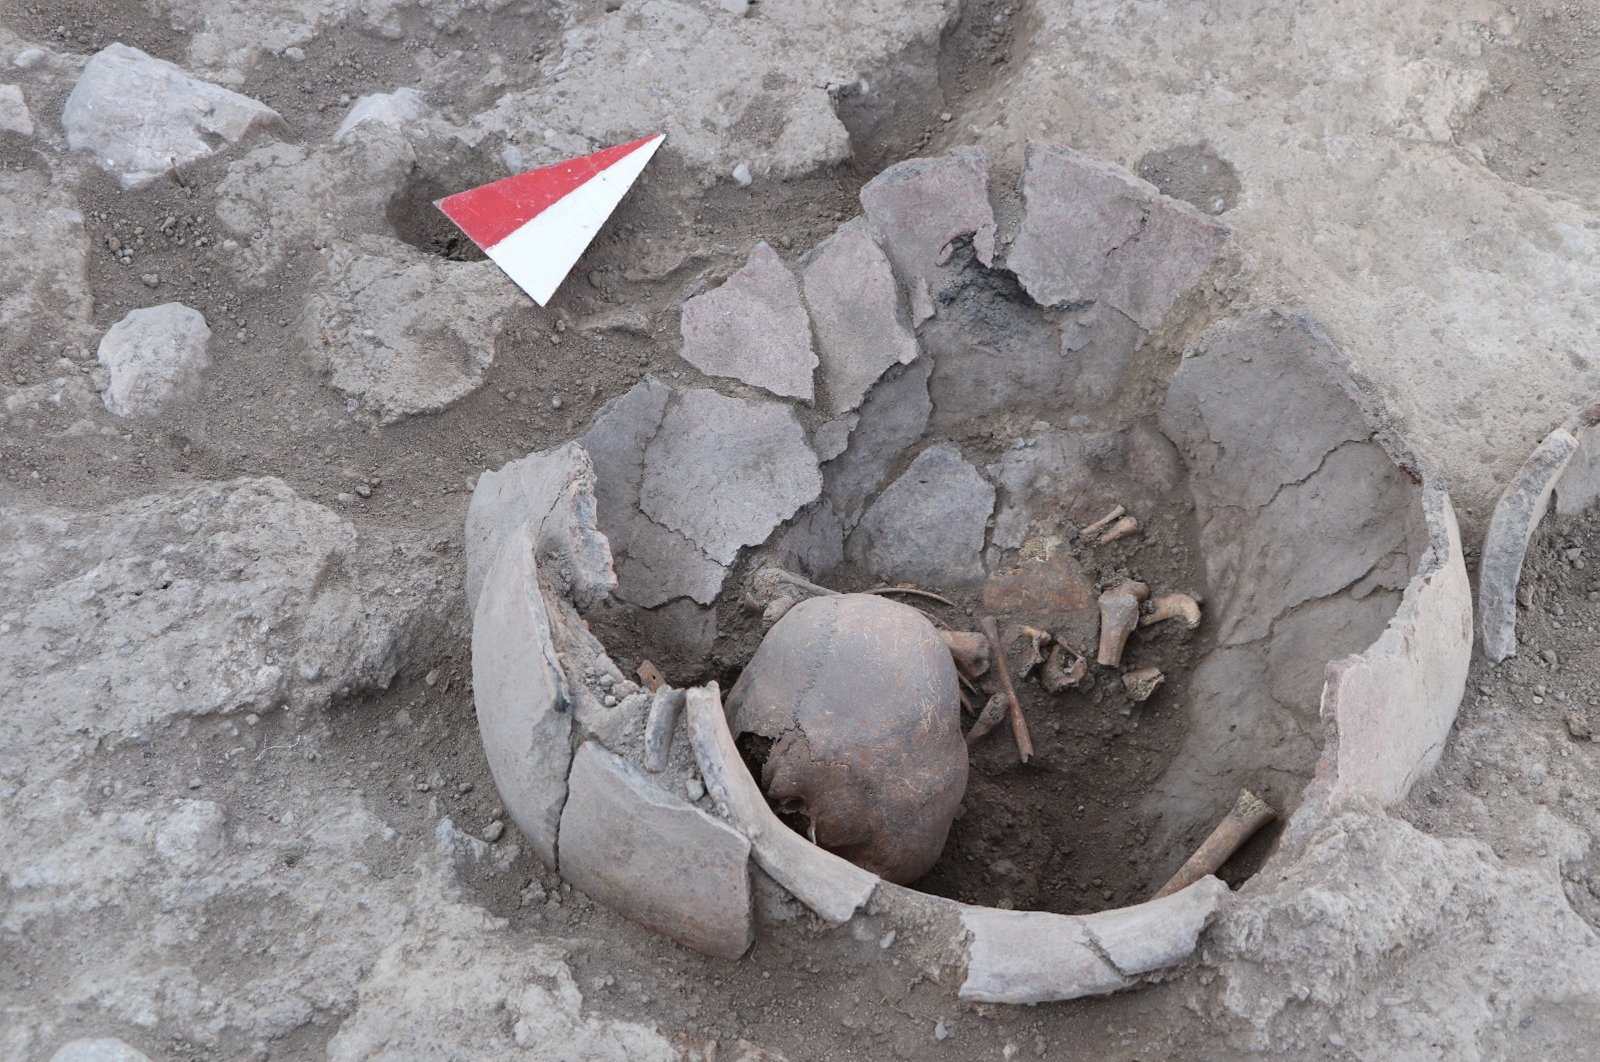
x=156 y=357
x=893 y=418
x=928 y=525
x=1091 y=231
x=234 y=597
x=405 y=333
x=654 y=564
x=100 y=1050
x=753 y=328
x=652 y=856
x=524 y=711
x=281 y=199
x=14 y=116
x=919 y=208
x=454 y=983
x=44 y=294
x=397 y=110
x=855 y=310
x=724 y=472
x=140 y=117
x=555 y=491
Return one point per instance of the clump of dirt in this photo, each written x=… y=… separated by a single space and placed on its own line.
x=1194 y=173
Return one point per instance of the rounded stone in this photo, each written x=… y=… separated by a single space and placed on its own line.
x=852 y=707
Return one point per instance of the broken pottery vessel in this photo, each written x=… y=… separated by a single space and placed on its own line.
x=1321 y=538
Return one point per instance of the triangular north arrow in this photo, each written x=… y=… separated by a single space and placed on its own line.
x=536 y=225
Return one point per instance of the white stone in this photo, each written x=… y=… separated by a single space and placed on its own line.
x=14 y=116
x=157 y=358
x=100 y=1050
x=139 y=117
x=398 y=110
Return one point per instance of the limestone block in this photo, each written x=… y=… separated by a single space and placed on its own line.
x=855 y=309
x=919 y=208
x=140 y=117
x=523 y=706
x=753 y=328
x=655 y=858
x=156 y=357
x=929 y=524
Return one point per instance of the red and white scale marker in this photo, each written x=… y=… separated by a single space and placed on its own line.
x=536 y=225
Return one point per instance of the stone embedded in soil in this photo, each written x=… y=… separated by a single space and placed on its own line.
x=855 y=310
x=724 y=472
x=654 y=857
x=893 y=417
x=919 y=208
x=454 y=983
x=233 y=597
x=156 y=358
x=928 y=525
x=813 y=545
x=44 y=294
x=555 y=490
x=524 y=713
x=1093 y=232
x=139 y=117
x=103 y=1049
x=397 y=110
x=753 y=328
x=405 y=334
x=14 y=116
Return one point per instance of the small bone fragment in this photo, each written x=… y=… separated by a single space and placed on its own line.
x=650 y=676
x=1104 y=522
x=1126 y=526
x=1019 y=724
x=989 y=718
x=666 y=704
x=1249 y=814
x=1039 y=639
x=970 y=650
x=1058 y=676
x=1119 y=615
x=1173 y=606
x=776 y=608
x=1142 y=683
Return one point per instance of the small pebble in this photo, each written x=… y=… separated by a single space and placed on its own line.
x=194 y=783
x=151 y=280
x=610 y=701
x=741 y=175
x=494 y=831
x=941 y=1031
x=695 y=788
x=555 y=403
x=432 y=677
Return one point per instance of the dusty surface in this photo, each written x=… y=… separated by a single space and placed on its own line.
x=246 y=821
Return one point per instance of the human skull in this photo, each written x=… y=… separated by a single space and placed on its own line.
x=858 y=696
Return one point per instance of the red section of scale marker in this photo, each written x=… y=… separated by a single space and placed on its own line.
x=536 y=225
